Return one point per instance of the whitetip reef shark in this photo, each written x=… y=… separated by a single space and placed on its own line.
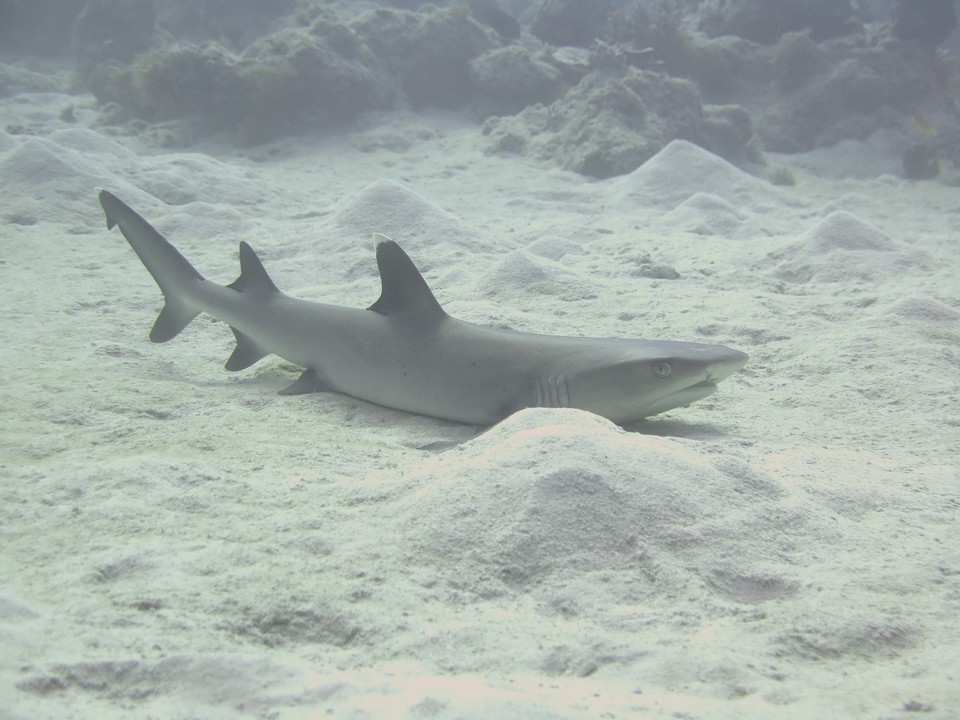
x=405 y=352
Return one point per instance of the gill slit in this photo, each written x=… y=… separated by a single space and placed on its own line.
x=552 y=391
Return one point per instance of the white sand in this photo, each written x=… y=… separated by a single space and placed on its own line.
x=180 y=542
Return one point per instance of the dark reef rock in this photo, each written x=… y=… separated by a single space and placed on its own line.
x=862 y=85
x=570 y=22
x=726 y=69
x=235 y=22
x=429 y=52
x=318 y=71
x=489 y=12
x=115 y=30
x=729 y=132
x=404 y=4
x=920 y=163
x=286 y=81
x=510 y=78
x=659 y=26
x=764 y=21
x=610 y=126
x=185 y=80
x=929 y=22
x=307 y=78
x=796 y=60
x=599 y=85
x=120 y=30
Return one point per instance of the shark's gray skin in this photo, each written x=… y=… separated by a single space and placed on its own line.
x=405 y=352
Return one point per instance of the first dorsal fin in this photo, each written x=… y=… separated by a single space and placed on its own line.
x=403 y=289
x=253 y=277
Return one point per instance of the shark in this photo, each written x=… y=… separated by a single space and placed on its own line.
x=406 y=352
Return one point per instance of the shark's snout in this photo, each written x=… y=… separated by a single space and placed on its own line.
x=726 y=365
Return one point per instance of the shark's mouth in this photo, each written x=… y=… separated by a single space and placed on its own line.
x=682 y=397
x=693 y=393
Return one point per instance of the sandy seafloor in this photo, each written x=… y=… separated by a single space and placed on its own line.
x=181 y=542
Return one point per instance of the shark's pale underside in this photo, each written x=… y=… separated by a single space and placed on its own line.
x=405 y=352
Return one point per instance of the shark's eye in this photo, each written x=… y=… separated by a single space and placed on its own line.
x=662 y=369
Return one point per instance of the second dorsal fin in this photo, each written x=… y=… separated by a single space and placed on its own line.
x=403 y=289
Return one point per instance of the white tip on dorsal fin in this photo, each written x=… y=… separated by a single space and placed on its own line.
x=253 y=277
x=403 y=289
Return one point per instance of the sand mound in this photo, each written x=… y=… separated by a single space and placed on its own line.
x=705 y=214
x=521 y=272
x=554 y=247
x=41 y=180
x=843 y=231
x=683 y=169
x=90 y=142
x=844 y=248
x=551 y=496
x=7 y=141
x=391 y=208
x=926 y=311
x=932 y=319
x=43 y=177
x=246 y=682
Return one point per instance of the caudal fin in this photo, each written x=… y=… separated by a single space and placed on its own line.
x=173 y=273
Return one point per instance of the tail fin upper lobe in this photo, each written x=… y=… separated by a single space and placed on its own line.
x=173 y=273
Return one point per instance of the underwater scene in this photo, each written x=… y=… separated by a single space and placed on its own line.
x=508 y=359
